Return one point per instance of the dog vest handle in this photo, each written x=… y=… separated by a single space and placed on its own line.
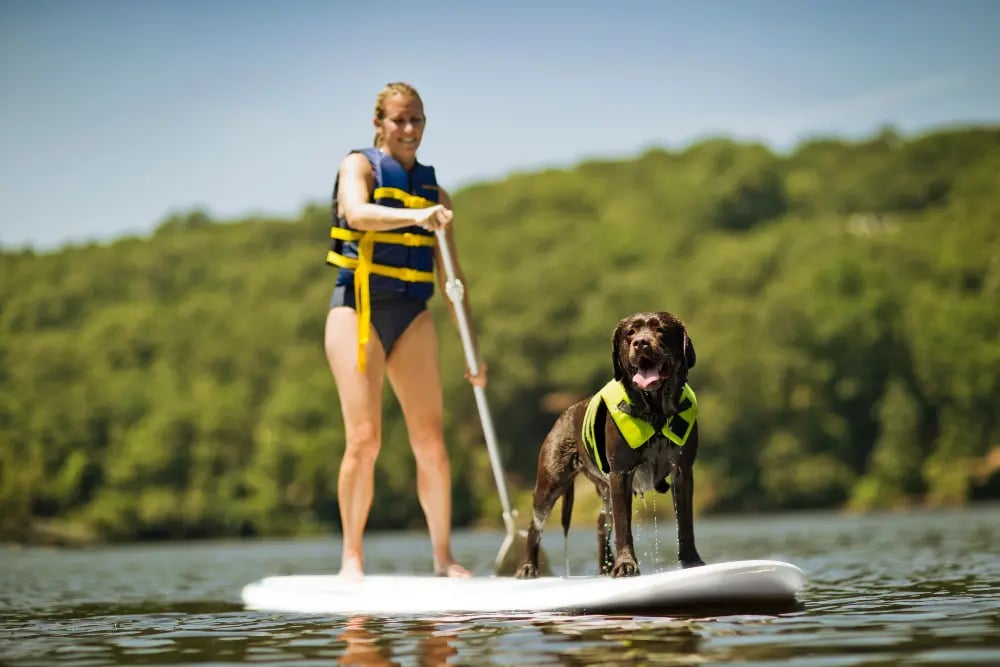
x=456 y=292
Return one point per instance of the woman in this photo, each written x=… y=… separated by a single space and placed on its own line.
x=387 y=207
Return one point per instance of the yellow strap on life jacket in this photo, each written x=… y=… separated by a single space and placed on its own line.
x=400 y=238
x=404 y=197
x=363 y=267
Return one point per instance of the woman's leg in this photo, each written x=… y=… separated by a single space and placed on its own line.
x=361 y=405
x=416 y=379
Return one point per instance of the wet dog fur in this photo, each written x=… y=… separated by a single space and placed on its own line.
x=651 y=355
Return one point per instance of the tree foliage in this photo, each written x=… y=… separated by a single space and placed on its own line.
x=842 y=300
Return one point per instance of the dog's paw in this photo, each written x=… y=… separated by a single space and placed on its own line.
x=662 y=486
x=526 y=571
x=692 y=563
x=625 y=568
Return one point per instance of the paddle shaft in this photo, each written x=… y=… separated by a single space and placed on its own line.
x=456 y=292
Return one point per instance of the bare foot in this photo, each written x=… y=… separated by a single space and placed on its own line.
x=452 y=570
x=350 y=568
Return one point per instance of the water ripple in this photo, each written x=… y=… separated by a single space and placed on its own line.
x=918 y=589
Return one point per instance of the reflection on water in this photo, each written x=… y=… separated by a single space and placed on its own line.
x=886 y=590
x=366 y=644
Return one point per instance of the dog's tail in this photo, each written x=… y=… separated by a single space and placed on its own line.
x=567 y=509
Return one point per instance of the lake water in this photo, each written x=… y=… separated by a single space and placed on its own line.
x=917 y=588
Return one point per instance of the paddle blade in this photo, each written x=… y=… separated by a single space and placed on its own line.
x=511 y=556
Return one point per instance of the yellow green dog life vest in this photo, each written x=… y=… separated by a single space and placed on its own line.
x=636 y=431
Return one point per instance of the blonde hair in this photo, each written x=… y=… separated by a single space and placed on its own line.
x=390 y=89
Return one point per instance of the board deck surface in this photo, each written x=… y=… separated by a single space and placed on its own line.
x=719 y=584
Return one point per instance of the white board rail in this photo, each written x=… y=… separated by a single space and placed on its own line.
x=735 y=583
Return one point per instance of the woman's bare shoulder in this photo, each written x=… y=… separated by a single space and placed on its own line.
x=355 y=162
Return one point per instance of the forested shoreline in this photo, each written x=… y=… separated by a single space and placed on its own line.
x=842 y=299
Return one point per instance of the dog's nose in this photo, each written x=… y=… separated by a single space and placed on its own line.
x=640 y=344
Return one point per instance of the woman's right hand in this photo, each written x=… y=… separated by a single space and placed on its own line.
x=435 y=218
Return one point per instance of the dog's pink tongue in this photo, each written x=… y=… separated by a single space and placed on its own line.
x=645 y=377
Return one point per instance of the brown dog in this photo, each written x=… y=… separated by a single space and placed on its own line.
x=639 y=429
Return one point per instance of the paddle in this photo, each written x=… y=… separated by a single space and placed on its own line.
x=512 y=548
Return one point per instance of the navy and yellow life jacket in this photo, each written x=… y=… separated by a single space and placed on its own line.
x=636 y=432
x=401 y=260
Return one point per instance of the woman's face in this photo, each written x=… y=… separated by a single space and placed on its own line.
x=402 y=127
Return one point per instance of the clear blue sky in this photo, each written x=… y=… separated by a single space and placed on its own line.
x=114 y=114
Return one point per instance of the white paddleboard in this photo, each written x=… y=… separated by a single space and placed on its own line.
x=733 y=583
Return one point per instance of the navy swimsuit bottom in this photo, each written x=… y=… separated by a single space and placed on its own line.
x=392 y=312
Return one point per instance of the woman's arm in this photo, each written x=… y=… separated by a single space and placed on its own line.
x=357 y=181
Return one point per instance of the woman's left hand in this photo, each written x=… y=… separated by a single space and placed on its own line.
x=478 y=380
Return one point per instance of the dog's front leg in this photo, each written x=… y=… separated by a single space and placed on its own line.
x=683 y=483
x=626 y=564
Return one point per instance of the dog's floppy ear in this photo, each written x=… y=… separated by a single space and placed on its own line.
x=616 y=343
x=688 y=346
